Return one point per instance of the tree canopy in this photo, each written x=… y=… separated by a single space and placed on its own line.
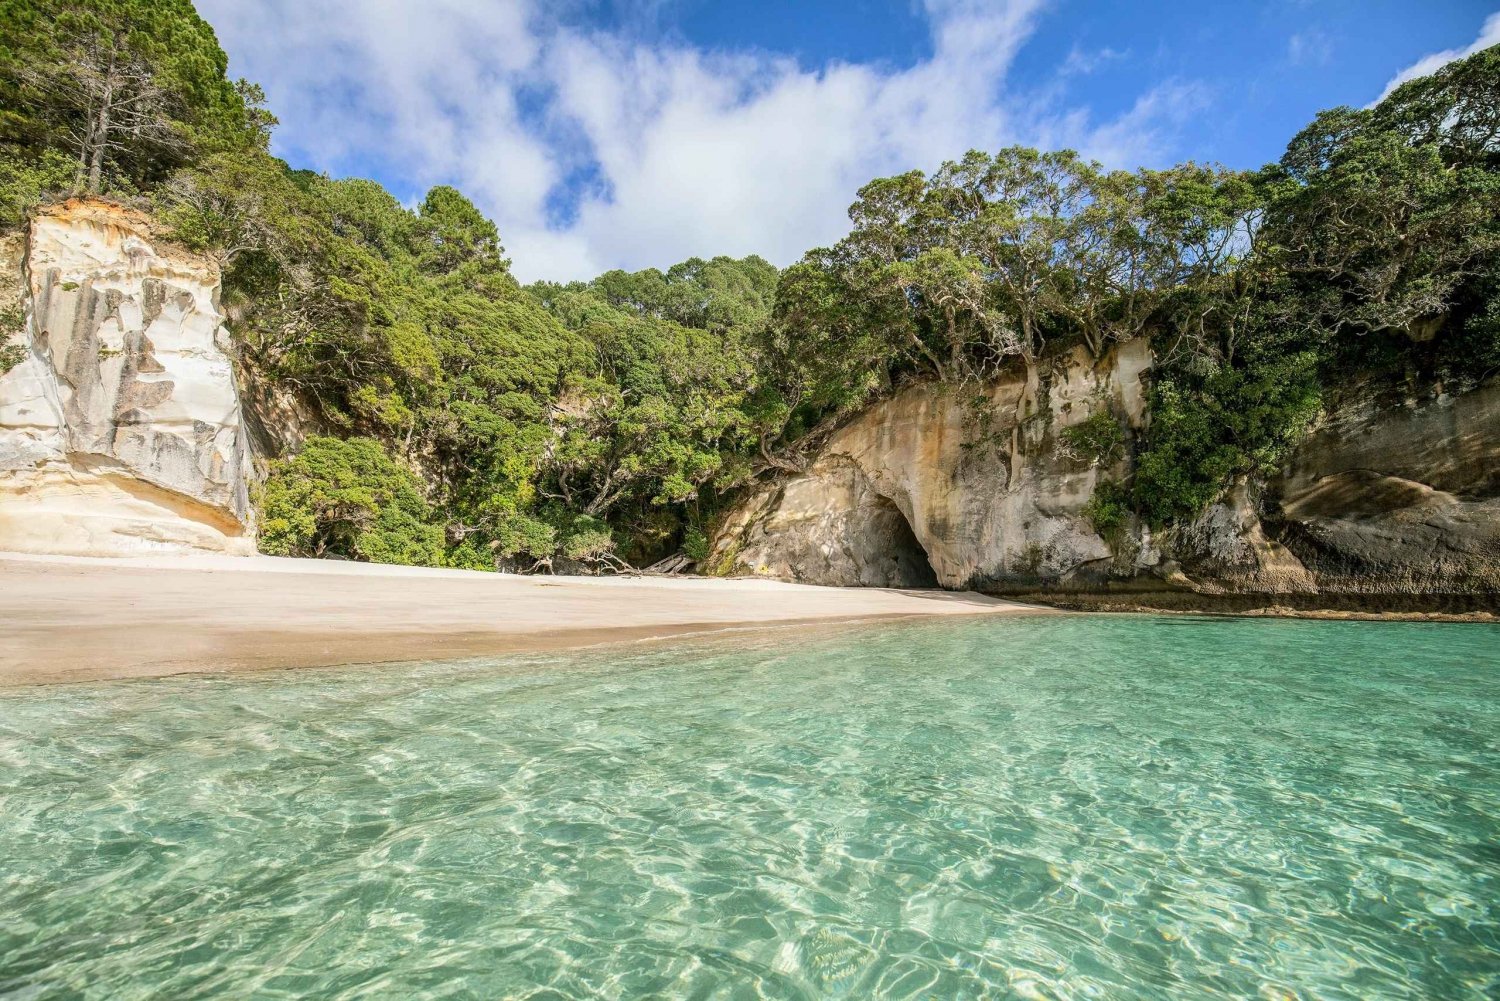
x=463 y=419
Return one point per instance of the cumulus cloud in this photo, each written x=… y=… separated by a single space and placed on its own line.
x=595 y=149
x=1489 y=34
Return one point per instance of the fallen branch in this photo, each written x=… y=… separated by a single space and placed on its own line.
x=675 y=564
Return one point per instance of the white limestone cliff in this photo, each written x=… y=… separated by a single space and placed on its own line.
x=120 y=427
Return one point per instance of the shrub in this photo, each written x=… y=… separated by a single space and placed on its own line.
x=695 y=545
x=12 y=337
x=28 y=182
x=1098 y=439
x=347 y=497
x=1235 y=420
x=587 y=539
x=1108 y=509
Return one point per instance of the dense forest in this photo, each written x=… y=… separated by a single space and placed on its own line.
x=460 y=418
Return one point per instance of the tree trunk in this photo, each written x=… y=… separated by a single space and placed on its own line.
x=80 y=176
x=955 y=346
x=100 y=135
x=1029 y=390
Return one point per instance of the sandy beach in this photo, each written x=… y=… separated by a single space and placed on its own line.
x=75 y=619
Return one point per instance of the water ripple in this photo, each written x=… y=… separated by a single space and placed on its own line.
x=1083 y=807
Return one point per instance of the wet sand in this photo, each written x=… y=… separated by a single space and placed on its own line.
x=68 y=619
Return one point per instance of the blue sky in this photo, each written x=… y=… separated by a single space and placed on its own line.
x=634 y=133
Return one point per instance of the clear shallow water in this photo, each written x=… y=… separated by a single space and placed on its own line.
x=1089 y=807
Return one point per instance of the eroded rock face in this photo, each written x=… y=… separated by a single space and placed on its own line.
x=1397 y=497
x=834 y=527
x=1382 y=498
x=120 y=429
x=979 y=474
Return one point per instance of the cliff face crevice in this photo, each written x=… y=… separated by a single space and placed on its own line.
x=1380 y=498
x=120 y=427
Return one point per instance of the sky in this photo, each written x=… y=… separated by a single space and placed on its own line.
x=606 y=134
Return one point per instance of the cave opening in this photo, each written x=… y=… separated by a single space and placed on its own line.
x=906 y=561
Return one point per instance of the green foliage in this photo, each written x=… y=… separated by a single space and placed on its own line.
x=405 y=327
x=30 y=180
x=1207 y=429
x=993 y=258
x=618 y=400
x=587 y=539
x=123 y=91
x=347 y=498
x=1187 y=461
x=478 y=422
x=12 y=336
x=1108 y=509
x=664 y=425
x=695 y=545
x=1379 y=224
x=1097 y=438
x=451 y=235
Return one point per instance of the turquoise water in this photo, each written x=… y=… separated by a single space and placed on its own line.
x=1085 y=807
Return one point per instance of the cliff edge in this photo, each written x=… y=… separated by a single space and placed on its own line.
x=121 y=431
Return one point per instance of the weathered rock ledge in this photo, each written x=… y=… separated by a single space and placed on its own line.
x=120 y=428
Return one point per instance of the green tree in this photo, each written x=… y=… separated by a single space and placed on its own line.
x=451 y=233
x=131 y=89
x=1378 y=234
x=347 y=498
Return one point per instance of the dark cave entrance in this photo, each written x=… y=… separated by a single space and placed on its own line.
x=897 y=552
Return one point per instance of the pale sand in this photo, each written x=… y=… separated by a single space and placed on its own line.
x=78 y=619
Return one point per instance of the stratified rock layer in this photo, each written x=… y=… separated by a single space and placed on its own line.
x=1382 y=498
x=120 y=428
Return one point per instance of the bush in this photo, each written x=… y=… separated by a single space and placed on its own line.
x=1206 y=430
x=695 y=545
x=12 y=337
x=1108 y=509
x=347 y=498
x=28 y=182
x=587 y=539
x=1187 y=459
x=1098 y=439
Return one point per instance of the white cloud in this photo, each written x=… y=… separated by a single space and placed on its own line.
x=697 y=152
x=1489 y=34
x=1312 y=47
x=1135 y=137
x=1084 y=63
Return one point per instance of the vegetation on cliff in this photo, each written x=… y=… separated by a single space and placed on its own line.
x=1371 y=246
x=462 y=419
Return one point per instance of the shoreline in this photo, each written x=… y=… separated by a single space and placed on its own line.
x=1340 y=607
x=79 y=619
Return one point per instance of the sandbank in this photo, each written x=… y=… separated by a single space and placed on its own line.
x=68 y=619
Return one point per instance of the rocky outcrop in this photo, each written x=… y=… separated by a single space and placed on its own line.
x=834 y=527
x=1397 y=496
x=120 y=426
x=983 y=477
x=998 y=493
